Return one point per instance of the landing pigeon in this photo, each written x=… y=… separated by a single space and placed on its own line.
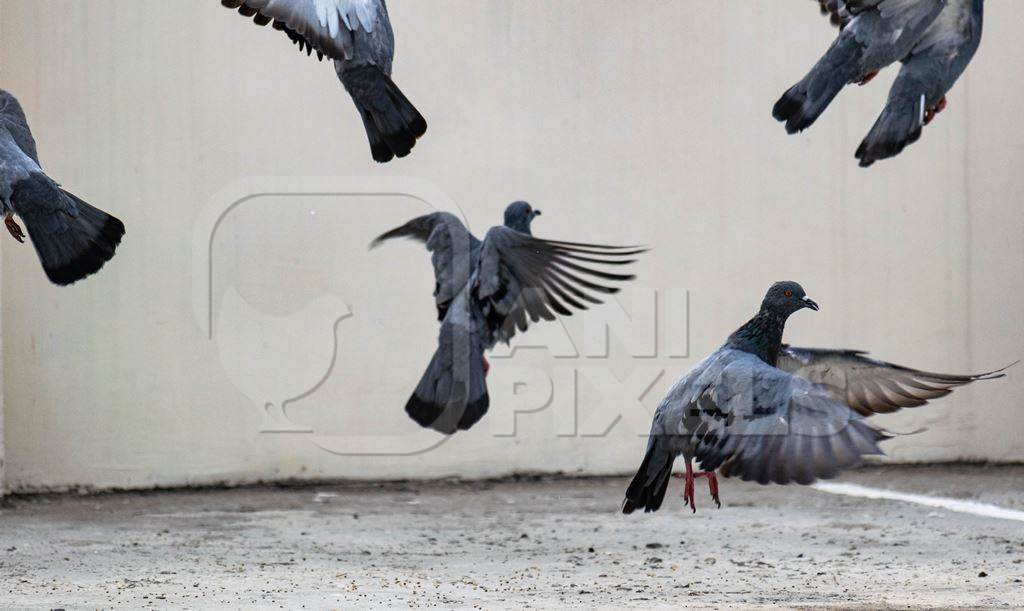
x=357 y=35
x=934 y=40
x=488 y=290
x=767 y=412
x=72 y=238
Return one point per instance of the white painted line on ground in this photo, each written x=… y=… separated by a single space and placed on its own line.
x=979 y=509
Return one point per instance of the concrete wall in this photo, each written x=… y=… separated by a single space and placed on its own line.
x=647 y=126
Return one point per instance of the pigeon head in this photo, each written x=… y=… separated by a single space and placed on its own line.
x=519 y=215
x=762 y=334
x=784 y=298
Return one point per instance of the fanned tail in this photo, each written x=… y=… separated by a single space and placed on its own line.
x=72 y=238
x=452 y=394
x=392 y=123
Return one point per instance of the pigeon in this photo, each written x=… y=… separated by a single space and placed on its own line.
x=72 y=238
x=488 y=290
x=935 y=40
x=357 y=35
x=768 y=412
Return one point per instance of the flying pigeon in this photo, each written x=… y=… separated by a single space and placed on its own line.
x=72 y=238
x=488 y=290
x=934 y=40
x=357 y=35
x=767 y=412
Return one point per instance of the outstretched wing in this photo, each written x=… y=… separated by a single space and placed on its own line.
x=12 y=118
x=737 y=413
x=524 y=279
x=324 y=26
x=453 y=250
x=869 y=386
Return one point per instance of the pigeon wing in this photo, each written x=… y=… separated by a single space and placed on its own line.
x=324 y=26
x=867 y=385
x=736 y=413
x=12 y=118
x=453 y=252
x=524 y=279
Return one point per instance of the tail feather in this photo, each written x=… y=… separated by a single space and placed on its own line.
x=72 y=238
x=804 y=102
x=392 y=123
x=452 y=394
x=647 y=490
x=897 y=127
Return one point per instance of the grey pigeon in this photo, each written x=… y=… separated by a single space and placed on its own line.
x=767 y=412
x=488 y=290
x=72 y=238
x=934 y=40
x=357 y=35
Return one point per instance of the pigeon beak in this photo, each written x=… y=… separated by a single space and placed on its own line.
x=536 y=213
x=809 y=303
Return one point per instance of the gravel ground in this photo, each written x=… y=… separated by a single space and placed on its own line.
x=528 y=543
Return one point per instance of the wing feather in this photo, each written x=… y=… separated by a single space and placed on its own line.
x=453 y=252
x=736 y=413
x=871 y=386
x=524 y=277
x=836 y=11
x=324 y=26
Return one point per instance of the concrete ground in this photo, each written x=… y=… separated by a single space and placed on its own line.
x=530 y=543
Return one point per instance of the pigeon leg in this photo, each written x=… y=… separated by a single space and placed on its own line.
x=687 y=485
x=865 y=79
x=487 y=366
x=14 y=227
x=690 y=476
x=712 y=485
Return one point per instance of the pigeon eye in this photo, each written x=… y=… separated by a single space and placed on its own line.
x=788 y=293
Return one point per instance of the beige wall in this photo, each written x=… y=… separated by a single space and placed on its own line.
x=637 y=126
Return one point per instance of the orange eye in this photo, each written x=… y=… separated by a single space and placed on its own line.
x=788 y=293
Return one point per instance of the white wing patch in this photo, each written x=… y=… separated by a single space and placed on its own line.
x=354 y=14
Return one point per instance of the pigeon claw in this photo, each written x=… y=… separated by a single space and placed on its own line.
x=713 y=487
x=690 y=476
x=14 y=227
x=487 y=366
x=866 y=78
